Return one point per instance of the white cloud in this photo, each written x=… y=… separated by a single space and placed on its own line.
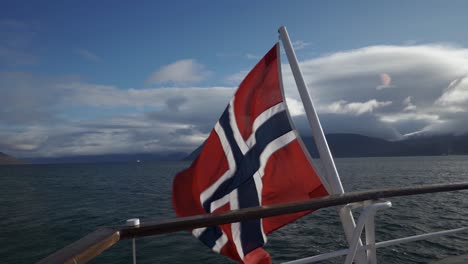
x=295 y=107
x=180 y=72
x=444 y=61
x=300 y=44
x=398 y=117
x=83 y=94
x=237 y=78
x=409 y=106
x=88 y=55
x=356 y=108
x=29 y=139
x=227 y=54
x=455 y=94
x=251 y=56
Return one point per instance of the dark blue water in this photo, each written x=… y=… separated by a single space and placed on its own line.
x=45 y=207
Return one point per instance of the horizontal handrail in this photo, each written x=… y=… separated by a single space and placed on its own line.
x=93 y=244
x=213 y=219
x=86 y=248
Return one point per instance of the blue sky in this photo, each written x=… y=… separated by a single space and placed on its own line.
x=131 y=40
x=93 y=77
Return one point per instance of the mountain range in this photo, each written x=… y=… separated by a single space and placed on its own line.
x=353 y=145
x=9 y=160
x=341 y=145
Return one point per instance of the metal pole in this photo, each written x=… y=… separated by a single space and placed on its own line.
x=332 y=176
x=134 y=222
x=370 y=240
x=322 y=146
x=134 y=251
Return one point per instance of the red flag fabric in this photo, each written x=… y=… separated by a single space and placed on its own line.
x=251 y=158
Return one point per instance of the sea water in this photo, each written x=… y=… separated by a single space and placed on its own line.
x=46 y=207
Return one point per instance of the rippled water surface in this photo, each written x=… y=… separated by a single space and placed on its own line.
x=45 y=207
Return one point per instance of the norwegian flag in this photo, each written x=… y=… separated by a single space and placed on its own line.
x=251 y=158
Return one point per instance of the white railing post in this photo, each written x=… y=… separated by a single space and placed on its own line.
x=370 y=240
x=368 y=212
x=133 y=222
x=366 y=219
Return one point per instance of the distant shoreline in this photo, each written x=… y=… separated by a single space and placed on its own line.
x=341 y=146
x=9 y=160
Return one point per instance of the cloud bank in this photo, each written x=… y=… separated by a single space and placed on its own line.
x=426 y=92
x=401 y=89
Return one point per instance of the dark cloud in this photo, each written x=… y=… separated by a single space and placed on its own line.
x=364 y=125
x=174 y=103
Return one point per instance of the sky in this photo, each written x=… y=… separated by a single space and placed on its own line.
x=101 y=77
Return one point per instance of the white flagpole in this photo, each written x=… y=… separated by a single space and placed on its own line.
x=320 y=140
x=325 y=155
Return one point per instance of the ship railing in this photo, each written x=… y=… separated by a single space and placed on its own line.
x=370 y=202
